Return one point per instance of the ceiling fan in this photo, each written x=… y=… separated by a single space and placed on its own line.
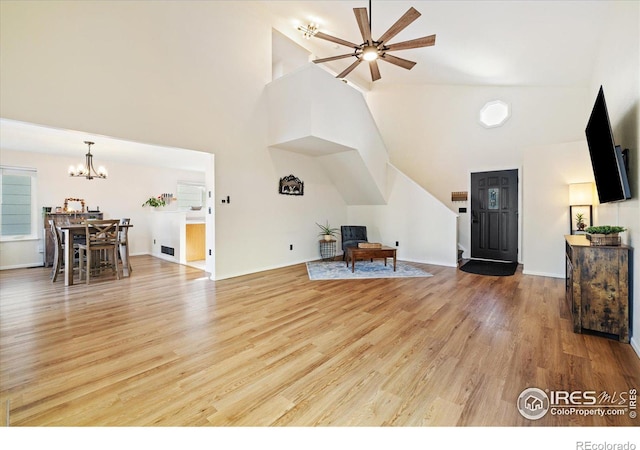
x=371 y=50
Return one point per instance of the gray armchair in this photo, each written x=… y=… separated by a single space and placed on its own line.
x=351 y=236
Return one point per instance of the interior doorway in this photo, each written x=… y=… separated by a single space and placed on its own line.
x=494 y=215
x=124 y=158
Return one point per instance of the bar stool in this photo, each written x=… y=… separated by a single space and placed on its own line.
x=58 y=251
x=123 y=237
x=100 y=252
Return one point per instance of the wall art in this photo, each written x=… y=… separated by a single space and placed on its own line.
x=291 y=185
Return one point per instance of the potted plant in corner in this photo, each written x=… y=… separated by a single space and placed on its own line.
x=327 y=233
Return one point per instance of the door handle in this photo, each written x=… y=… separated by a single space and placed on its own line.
x=474 y=216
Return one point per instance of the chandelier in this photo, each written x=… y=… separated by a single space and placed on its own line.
x=309 y=30
x=86 y=170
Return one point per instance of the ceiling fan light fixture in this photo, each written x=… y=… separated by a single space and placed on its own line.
x=372 y=50
x=370 y=53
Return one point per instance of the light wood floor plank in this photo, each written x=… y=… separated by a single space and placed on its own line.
x=168 y=347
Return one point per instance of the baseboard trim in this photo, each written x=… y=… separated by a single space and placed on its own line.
x=635 y=345
x=542 y=274
x=22 y=266
x=262 y=269
x=434 y=263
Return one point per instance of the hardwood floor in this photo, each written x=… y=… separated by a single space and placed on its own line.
x=167 y=346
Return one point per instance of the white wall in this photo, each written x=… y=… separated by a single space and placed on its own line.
x=120 y=195
x=169 y=229
x=424 y=228
x=618 y=71
x=312 y=112
x=159 y=72
x=439 y=140
x=309 y=103
x=548 y=171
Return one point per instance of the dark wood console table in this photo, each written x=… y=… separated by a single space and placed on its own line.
x=597 y=286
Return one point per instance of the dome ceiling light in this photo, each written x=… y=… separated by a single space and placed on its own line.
x=494 y=114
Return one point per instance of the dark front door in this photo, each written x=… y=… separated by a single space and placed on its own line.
x=494 y=215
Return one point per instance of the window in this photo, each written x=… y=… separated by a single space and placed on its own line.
x=190 y=195
x=18 y=216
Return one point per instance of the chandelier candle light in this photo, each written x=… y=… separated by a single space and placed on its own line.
x=86 y=170
x=309 y=30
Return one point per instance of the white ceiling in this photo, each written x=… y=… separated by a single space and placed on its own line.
x=22 y=136
x=506 y=43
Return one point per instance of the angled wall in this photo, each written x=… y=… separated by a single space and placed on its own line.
x=424 y=229
x=312 y=113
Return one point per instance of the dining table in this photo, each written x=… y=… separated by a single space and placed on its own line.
x=78 y=229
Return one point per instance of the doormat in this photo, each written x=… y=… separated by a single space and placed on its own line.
x=337 y=270
x=492 y=268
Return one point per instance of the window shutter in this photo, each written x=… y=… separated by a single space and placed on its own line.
x=16 y=217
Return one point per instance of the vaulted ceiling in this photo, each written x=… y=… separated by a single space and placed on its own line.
x=502 y=43
x=508 y=42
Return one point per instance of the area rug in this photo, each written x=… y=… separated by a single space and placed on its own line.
x=338 y=270
x=496 y=269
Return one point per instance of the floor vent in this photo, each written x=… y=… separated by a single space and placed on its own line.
x=167 y=250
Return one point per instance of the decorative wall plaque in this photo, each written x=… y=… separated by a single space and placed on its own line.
x=459 y=196
x=291 y=185
x=66 y=205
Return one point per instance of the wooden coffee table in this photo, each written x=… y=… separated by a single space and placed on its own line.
x=354 y=253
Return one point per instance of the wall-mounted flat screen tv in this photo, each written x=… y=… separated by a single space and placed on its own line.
x=608 y=160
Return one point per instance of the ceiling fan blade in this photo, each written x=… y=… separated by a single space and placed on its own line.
x=348 y=70
x=363 y=23
x=333 y=58
x=403 y=22
x=375 y=71
x=414 y=43
x=404 y=63
x=335 y=40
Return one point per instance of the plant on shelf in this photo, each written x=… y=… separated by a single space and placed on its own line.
x=580 y=221
x=327 y=232
x=605 y=229
x=155 y=202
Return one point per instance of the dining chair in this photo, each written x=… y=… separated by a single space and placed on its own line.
x=124 y=246
x=58 y=251
x=100 y=251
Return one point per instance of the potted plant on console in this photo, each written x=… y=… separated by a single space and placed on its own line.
x=604 y=234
